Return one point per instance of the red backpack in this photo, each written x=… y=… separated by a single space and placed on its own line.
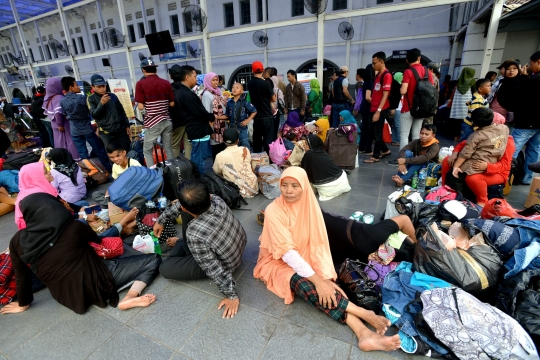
x=444 y=193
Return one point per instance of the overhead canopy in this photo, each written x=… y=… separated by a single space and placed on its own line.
x=27 y=9
x=523 y=18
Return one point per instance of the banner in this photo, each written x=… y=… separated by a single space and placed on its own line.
x=304 y=78
x=119 y=87
x=180 y=53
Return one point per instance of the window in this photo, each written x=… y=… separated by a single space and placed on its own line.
x=75 y=50
x=150 y=12
x=138 y=15
x=129 y=17
x=260 y=10
x=184 y=3
x=142 y=32
x=65 y=46
x=32 y=55
x=110 y=22
x=96 y=42
x=172 y=6
x=41 y=53
x=78 y=30
x=229 y=14
x=297 y=7
x=152 y=26
x=188 y=25
x=384 y=1
x=245 y=12
x=93 y=26
x=242 y=76
x=175 y=26
x=340 y=5
x=81 y=45
x=132 y=37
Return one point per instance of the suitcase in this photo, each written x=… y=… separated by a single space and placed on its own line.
x=175 y=172
x=95 y=170
x=341 y=150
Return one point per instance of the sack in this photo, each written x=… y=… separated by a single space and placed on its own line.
x=225 y=189
x=175 y=172
x=452 y=210
x=395 y=95
x=341 y=150
x=433 y=171
x=474 y=270
x=443 y=193
x=387 y=132
x=95 y=170
x=259 y=159
x=359 y=287
x=295 y=159
x=17 y=161
x=425 y=96
x=136 y=151
x=277 y=152
x=136 y=181
x=499 y=207
x=146 y=219
x=144 y=244
x=268 y=177
x=109 y=248
x=473 y=329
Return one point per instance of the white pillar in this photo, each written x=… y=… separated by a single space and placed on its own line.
x=68 y=37
x=492 y=33
x=41 y=41
x=14 y=42
x=143 y=9
x=320 y=48
x=453 y=54
x=264 y=14
x=23 y=41
x=201 y=56
x=348 y=52
x=206 y=41
x=122 y=14
x=5 y=87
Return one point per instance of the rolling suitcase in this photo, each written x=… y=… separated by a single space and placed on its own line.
x=341 y=150
x=175 y=172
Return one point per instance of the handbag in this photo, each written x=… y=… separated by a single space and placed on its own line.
x=146 y=219
x=360 y=288
x=109 y=248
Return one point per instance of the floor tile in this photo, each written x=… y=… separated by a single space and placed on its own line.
x=128 y=344
x=242 y=337
x=357 y=354
x=251 y=252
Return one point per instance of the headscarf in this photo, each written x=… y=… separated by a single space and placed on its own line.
x=323 y=125
x=275 y=81
x=46 y=218
x=208 y=83
x=464 y=82
x=64 y=163
x=314 y=85
x=293 y=119
x=53 y=92
x=293 y=226
x=31 y=180
x=398 y=77
x=319 y=166
x=348 y=118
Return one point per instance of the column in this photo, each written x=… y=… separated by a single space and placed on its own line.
x=492 y=33
x=206 y=41
x=127 y=46
x=453 y=54
x=320 y=48
x=65 y=27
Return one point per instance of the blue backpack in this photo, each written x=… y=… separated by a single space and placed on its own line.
x=137 y=183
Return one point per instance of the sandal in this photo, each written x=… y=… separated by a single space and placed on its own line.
x=369 y=154
x=371 y=161
x=385 y=155
x=260 y=218
x=394 y=144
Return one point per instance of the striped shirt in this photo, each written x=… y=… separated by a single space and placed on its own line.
x=477 y=101
x=155 y=93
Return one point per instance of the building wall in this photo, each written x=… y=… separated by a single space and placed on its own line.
x=521 y=45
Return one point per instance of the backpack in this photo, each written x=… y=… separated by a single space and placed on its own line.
x=17 y=161
x=175 y=172
x=226 y=190
x=395 y=96
x=425 y=96
x=444 y=193
x=94 y=169
x=136 y=182
x=136 y=151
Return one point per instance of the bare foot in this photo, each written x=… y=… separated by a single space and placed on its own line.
x=372 y=342
x=128 y=228
x=399 y=181
x=130 y=216
x=140 y=301
x=380 y=323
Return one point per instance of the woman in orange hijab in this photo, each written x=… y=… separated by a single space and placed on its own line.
x=294 y=257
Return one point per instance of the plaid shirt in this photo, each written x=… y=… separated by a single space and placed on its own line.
x=217 y=240
x=8 y=288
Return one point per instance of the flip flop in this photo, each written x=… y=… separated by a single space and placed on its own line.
x=394 y=144
x=385 y=155
x=371 y=161
x=369 y=154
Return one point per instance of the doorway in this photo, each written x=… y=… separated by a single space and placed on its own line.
x=311 y=66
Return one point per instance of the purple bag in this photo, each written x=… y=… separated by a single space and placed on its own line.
x=377 y=272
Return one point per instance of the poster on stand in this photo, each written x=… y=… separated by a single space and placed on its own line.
x=119 y=87
x=304 y=78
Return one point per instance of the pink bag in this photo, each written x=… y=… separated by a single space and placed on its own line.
x=278 y=152
x=327 y=110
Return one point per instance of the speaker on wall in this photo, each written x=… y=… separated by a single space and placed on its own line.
x=160 y=43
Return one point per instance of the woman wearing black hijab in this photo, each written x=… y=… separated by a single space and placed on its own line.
x=56 y=249
x=68 y=177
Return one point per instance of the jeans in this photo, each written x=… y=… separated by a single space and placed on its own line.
x=395 y=124
x=377 y=131
x=120 y=136
x=163 y=129
x=408 y=124
x=336 y=109
x=200 y=150
x=262 y=134
x=82 y=203
x=180 y=135
x=531 y=139
x=97 y=146
x=466 y=130
x=48 y=126
x=411 y=168
x=243 y=137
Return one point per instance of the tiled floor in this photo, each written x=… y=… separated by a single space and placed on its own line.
x=184 y=322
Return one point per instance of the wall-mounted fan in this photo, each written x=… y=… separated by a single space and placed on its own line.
x=57 y=47
x=197 y=16
x=113 y=37
x=40 y=74
x=260 y=38
x=346 y=30
x=192 y=52
x=69 y=70
x=17 y=60
x=142 y=56
x=316 y=7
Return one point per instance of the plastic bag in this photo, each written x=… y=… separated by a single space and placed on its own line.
x=499 y=207
x=277 y=152
x=144 y=244
x=448 y=241
x=459 y=234
x=268 y=177
x=387 y=132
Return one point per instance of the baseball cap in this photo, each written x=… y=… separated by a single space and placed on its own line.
x=257 y=67
x=147 y=62
x=230 y=136
x=344 y=68
x=40 y=89
x=97 y=79
x=175 y=70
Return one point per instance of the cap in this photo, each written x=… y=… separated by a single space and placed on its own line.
x=40 y=89
x=257 y=67
x=97 y=79
x=175 y=70
x=344 y=68
x=147 y=62
x=230 y=136
x=433 y=66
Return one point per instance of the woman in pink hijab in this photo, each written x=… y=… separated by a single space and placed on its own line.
x=214 y=102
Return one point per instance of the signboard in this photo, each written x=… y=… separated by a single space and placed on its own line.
x=28 y=84
x=399 y=54
x=304 y=78
x=180 y=53
x=119 y=87
x=10 y=84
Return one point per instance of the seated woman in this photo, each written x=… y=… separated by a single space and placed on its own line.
x=55 y=247
x=7 y=203
x=68 y=177
x=294 y=257
x=321 y=127
x=293 y=125
x=322 y=172
x=348 y=124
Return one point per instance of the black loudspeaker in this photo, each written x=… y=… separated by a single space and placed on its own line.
x=105 y=62
x=160 y=43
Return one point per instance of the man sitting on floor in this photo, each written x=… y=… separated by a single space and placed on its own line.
x=212 y=245
x=416 y=154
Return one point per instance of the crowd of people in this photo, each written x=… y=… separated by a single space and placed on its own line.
x=301 y=246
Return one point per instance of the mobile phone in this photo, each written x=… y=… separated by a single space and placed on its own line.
x=94 y=209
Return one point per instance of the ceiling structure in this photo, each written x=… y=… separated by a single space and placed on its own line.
x=28 y=9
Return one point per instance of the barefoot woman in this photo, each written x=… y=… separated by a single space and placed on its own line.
x=56 y=249
x=294 y=257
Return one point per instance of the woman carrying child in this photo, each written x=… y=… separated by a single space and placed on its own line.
x=214 y=102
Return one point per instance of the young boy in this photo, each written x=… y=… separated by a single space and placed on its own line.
x=76 y=110
x=478 y=100
x=118 y=156
x=240 y=113
x=109 y=114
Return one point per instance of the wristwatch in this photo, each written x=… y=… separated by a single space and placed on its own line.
x=379 y=110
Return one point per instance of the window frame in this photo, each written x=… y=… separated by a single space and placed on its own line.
x=132 y=33
x=81 y=45
x=31 y=54
x=175 y=30
x=343 y=4
x=245 y=18
x=295 y=5
x=74 y=44
x=188 y=23
x=227 y=14
x=95 y=38
x=380 y=2
x=152 y=26
x=260 y=10
x=142 y=30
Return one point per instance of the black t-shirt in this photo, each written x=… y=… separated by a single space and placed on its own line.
x=260 y=93
x=366 y=105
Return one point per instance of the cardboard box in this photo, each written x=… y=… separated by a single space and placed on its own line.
x=534 y=193
x=259 y=159
x=116 y=214
x=135 y=130
x=99 y=226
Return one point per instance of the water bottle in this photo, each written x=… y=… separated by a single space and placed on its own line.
x=422 y=180
x=162 y=201
x=150 y=204
x=414 y=180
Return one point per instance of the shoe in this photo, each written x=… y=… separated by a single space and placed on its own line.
x=392 y=162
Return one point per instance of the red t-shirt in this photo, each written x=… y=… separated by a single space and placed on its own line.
x=408 y=78
x=155 y=93
x=377 y=92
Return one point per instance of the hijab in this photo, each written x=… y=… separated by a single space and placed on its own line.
x=315 y=86
x=64 y=163
x=323 y=125
x=31 y=180
x=46 y=218
x=208 y=83
x=398 y=77
x=348 y=118
x=54 y=93
x=464 y=82
x=293 y=226
x=319 y=166
x=275 y=81
x=293 y=119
